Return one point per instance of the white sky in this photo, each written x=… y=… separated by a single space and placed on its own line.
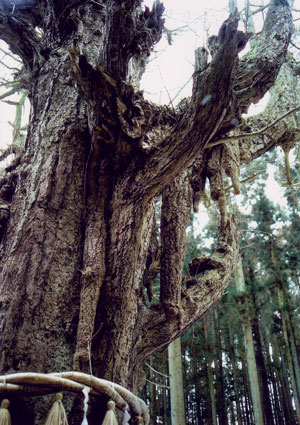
x=194 y=22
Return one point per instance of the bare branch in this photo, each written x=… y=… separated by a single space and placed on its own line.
x=157 y=384
x=10 y=92
x=156 y=371
x=246 y=180
x=10 y=55
x=209 y=106
x=258 y=68
x=255 y=133
x=222 y=91
x=11 y=68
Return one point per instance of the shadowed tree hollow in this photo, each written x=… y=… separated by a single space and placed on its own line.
x=80 y=242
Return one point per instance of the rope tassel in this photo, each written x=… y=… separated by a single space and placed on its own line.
x=110 y=417
x=4 y=413
x=57 y=414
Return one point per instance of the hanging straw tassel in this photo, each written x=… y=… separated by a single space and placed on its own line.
x=110 y=417
x=126 y=417
x=4 y=413
x=57 y=414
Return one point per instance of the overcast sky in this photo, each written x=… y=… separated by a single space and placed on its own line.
x=191 y=22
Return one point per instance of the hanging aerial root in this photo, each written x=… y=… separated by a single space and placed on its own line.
x=287 y=144
x=214 y=172
x=197 y=181
x=227 y=158
x=230 y=162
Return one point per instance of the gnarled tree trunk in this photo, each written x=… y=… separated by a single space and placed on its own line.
x=79 y=246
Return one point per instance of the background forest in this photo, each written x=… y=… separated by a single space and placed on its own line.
x=241 y=361
x=245 y=352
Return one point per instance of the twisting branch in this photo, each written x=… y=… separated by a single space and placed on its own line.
x=258 y=69
x=209 y=278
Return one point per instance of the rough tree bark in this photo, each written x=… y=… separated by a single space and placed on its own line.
x=78 y=234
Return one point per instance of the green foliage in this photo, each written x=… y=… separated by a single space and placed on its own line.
x=270 y=249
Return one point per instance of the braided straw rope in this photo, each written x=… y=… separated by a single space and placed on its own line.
x=31 y=383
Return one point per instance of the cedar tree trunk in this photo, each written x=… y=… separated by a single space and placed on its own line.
x=79 y=240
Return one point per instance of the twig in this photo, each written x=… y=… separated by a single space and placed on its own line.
x=11 y=68
x=10 y=92
x=247 y=246
x=158 y=385
x=156 y=371
x=6 y=83
x=9 y=54
x=255 y=133
x=165 y=87
x=248 y=179
x=10 y=102
x=180 y=90
x=294 y=45
x=260 y=8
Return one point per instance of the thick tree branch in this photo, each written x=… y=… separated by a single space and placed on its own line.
x=210 y=103
x=258 y=68
x=215 y=102
x=283 y=128
x=20 y=36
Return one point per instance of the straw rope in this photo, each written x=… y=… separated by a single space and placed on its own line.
x=31 y=383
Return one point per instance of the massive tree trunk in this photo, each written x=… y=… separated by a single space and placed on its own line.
x=78 y=232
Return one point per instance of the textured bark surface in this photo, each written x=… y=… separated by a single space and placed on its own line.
x=79 y=247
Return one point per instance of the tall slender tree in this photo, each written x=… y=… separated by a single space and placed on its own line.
x=176 y=383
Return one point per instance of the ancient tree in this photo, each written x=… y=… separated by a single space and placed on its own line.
x=80 y=244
